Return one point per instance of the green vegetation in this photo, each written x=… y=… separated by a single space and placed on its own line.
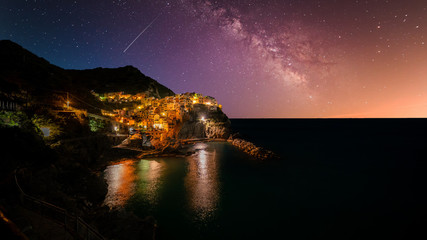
x=96 y=125
x=48 y=126
x=11 y=119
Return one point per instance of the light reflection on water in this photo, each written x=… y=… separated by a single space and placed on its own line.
x=149 y=174
x=202 y=182
x=144 y=179
x=120 y=178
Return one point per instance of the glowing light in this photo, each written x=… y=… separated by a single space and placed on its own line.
x=45 y=131
x=194 y=101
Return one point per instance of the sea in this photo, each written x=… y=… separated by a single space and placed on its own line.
x=335 y=179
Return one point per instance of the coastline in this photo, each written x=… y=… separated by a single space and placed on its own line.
x=65 y=177
x=179 y=149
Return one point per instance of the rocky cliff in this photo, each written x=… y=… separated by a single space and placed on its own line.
x=204 y=122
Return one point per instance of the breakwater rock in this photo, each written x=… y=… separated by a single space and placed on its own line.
x=250 y=148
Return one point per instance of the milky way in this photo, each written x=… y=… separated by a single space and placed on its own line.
x=258 y=58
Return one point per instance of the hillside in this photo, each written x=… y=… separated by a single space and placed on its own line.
x=21 y=69
x=24 y=74
x=127 y=79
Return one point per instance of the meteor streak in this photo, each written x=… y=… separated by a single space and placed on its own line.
x=141 y=33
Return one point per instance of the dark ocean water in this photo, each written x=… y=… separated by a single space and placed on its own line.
x=340 y=179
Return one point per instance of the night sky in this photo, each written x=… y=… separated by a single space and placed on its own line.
x=259 y=58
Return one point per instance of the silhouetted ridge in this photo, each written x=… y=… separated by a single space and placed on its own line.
x=127 y=79
x=23 y=72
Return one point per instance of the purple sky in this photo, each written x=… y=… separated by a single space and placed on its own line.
x=259 y=58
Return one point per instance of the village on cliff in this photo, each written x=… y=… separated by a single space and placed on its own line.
x=157 y=118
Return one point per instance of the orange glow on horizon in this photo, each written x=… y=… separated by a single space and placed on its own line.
x=415 y=107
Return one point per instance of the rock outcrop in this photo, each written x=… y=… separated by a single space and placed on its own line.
x=192 y=129
x=203 y=122
x=250 y=148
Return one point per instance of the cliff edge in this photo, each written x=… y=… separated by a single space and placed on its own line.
x=204 y=122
